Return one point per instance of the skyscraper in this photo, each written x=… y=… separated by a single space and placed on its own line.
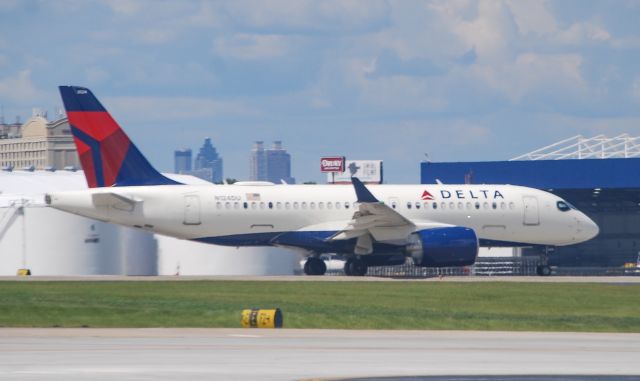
x=208 y=160
x=258 y=163
x=273 y=164
x=182 y=160
x=278 y=164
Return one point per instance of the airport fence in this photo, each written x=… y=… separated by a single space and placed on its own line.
x=490 y=266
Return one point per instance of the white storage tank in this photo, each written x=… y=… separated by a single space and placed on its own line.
x=180 y=257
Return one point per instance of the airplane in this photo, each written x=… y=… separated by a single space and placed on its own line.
x=435 y=225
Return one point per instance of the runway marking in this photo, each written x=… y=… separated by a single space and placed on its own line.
x=246 y=336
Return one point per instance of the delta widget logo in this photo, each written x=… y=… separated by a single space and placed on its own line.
x=426 y=196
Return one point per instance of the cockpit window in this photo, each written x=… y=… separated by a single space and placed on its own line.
x=564 y=206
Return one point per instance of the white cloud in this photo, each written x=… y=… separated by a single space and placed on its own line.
x=303 y=16
x=172 y=109
x=583 y=32
x=126 y=7
x=533 y=17
x=251 y=46
x=20 y=88
x=531 y=72
x=96 y=75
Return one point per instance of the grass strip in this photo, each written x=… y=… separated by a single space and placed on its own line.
x=341 y=305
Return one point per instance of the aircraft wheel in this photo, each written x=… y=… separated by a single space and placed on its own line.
x=543 y=270
x=347 y=267
x=355 y=267
x=359 y=268
x=315 y=266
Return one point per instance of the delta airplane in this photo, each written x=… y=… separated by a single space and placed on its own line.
x=371 y=225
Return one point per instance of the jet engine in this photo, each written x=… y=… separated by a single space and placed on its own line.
x=442 y=247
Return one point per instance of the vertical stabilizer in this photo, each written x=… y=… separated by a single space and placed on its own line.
x=107 y=155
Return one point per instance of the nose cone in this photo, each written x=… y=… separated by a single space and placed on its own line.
x=588 y=228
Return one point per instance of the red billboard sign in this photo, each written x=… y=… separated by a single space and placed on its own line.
x=332 y=164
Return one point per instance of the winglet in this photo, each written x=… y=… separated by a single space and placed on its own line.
x=362 y=192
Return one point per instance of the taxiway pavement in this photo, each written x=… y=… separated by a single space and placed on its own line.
x=265 y=355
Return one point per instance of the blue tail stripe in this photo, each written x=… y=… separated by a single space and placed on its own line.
x=95 y=153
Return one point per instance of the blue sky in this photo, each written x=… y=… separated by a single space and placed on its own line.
x=390 y=80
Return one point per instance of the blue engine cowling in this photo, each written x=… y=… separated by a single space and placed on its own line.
x=442 y=247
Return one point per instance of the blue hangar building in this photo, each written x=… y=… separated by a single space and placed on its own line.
x=599 y=175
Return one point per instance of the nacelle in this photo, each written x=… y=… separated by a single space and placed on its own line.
x=442 y=247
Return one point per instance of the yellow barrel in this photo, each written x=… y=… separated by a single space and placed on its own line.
x=257 y=318
x=24 y=272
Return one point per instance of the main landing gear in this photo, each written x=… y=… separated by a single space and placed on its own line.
x=315 y=266
x=355 y=267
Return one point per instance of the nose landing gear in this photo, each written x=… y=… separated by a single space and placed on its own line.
x=543 y=268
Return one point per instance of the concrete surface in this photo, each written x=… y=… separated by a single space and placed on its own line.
x=236 y=354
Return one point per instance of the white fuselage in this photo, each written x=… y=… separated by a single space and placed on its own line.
x=497 y=213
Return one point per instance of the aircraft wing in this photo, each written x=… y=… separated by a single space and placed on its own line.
x=373 y=220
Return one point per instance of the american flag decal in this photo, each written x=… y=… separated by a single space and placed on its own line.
x=253 y=196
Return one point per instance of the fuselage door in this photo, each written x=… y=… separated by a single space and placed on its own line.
x=531 y=211
x=191 y=210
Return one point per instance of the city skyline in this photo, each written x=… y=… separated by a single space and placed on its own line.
x=389 y=80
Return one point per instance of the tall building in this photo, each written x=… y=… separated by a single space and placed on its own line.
x=258 y=163
x=38 y=144
x=278 y=164
x=272 y=164
x=208 y=161
x=182 y=160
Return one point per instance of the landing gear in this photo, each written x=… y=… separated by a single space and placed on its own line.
x=315 y=266
x=543 y=268
x=355 y=267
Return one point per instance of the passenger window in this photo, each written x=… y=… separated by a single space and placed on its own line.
x=304 y=205
x=321 y=205
x=218 y=205
x=236 y=205
x=452 y=205
x=435 y=205
x=408 y=205
x=227 y=205
x=426 y=205
x=270 y=205
x=338 y=205
x=477 y=205
x=393 y=205
x=329 y=205
x=346 y=205
x=254 y=205
x=296 y=205
x=469 y=206
x=246 y=206
x=278 y=205
x=512 y=205
x=503 y=205
x=287 y=205
x=312 y=205
x=494 y=205
x=485 y=205
x=443 y=206
x=262 y=205
x=460 y=206
x=417 y=205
